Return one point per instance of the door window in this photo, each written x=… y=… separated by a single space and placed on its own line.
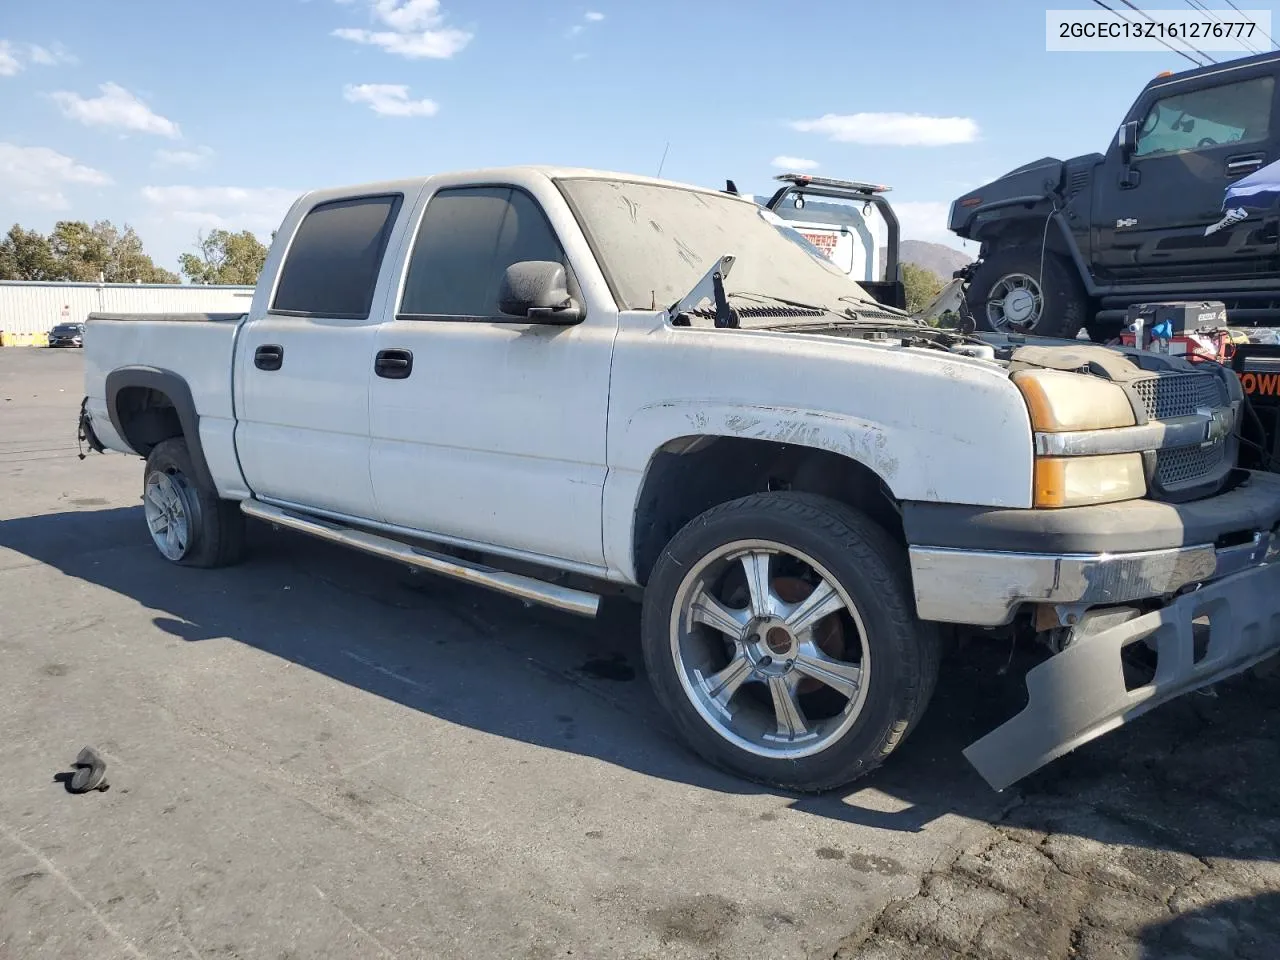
x=468 y=238
x=1206 y=118
x=332 y=266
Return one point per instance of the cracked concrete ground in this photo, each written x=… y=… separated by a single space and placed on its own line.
x=1163 y=842
x=319 y=755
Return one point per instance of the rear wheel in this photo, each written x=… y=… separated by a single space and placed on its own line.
x=779 y=633
x=189 y=524
x=1012 y=291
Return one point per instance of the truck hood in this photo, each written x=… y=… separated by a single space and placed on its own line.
x=1035 y=179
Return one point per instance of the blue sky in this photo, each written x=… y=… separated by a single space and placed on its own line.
x=178 y=116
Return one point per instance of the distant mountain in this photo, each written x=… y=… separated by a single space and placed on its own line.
x=935 y=257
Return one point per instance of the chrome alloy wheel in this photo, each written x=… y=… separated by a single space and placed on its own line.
x=770 y=649
x=170 y=509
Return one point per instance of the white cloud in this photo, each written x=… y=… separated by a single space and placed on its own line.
x=183 y=158
x=892 y=129
x=37 y=175
x=416 y=30
x=259 y=209
x=389 y=100
x=51 y=55
x=9 y=62
x=591 y=16
x=793 y=163
x=12 y=56
x=117 y=108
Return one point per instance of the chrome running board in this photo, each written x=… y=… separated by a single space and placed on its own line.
x=526 y=588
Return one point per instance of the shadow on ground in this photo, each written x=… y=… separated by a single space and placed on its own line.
x=1177 y=778
x=1242 y=927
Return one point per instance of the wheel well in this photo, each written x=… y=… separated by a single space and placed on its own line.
x=1029 y=231
x=693 y=474
x=146 y=417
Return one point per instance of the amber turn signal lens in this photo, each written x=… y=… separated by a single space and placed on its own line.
x=1084 y=481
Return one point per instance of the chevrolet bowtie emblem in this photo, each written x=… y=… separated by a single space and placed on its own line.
x=1220 y=422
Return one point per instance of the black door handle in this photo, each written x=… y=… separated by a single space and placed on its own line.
x=393 y=364
x=269 y=356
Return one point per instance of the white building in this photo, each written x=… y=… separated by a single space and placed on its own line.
x=28 y=307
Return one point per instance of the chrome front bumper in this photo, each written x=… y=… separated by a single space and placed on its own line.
x=986 y=588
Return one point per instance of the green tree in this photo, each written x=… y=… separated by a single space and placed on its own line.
x=922 y=286
x=80 y=253
x=126 y=260
x=26 y=255
x=225 y=257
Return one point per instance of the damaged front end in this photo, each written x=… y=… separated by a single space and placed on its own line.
x=1143 y=595
x=1214 y=631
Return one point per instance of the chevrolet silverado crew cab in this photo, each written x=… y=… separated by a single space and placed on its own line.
x=550 y=381
x=1073 y=243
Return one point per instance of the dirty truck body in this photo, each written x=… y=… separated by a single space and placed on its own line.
x=557 y=382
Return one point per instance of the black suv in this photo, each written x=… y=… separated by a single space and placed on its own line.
x=1071 y=244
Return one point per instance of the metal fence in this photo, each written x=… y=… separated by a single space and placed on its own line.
x=33 y=308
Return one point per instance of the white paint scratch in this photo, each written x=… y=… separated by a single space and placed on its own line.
x=51 y=868
x=355 y=926
x=379 y=668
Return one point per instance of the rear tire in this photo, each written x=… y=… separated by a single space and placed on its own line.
x=1010 y=293
x=189 y=524
x=756 y=687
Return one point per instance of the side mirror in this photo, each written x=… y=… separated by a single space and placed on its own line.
x=1127 y=139
x=536 y=290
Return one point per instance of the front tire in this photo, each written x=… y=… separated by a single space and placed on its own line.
x=780 y=635
x=189 y=524
x=1012 y=292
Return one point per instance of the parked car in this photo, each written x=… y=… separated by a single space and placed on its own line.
x=547 y=380
x=67 y=335
x=1073 y=243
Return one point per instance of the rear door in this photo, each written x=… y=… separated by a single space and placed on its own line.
x=303 y=367
x=1195 y=138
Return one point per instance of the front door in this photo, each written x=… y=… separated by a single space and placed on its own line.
x=488 y=429
x=302 y=375
x=1195 y=138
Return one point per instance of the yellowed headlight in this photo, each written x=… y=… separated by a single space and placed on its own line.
x=1060 y=402
x=1081 y=481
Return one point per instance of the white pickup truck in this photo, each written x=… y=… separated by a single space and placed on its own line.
x=551 y=380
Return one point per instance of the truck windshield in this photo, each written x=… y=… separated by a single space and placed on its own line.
x=655 y=242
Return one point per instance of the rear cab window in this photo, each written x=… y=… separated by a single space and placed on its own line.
x=331 y=268
x=468 y=238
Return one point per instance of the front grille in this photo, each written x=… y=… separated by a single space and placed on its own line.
x=1185 y=464
x=1180 y=394
x=1167 y=396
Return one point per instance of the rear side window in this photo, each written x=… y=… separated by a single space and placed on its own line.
x=468 y=238
x=332 y=265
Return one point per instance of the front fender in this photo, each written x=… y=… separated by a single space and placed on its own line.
x=934 y=426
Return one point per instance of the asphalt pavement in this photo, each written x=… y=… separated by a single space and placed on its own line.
x=321 y=754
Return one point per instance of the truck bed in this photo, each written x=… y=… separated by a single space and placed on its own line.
x=198 y=347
